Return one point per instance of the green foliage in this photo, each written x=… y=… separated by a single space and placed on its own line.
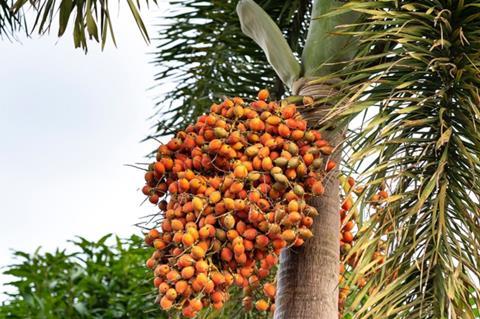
x=204 y=54
x=417 y=75
x=90 y=19
x=97 y=280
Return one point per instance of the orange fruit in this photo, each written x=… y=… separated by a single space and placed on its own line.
x=330 y=165
x=188 y=272
x=181 y=286
x=150 y=263
x=171 y=294
x=215 y=197
x=263 y=94
x=269 y=290
x=166 y=303
x=289 y=111
x=196 y=304
x=240 y=171
x=188 y=240
x=288 y=235
x=159 y=168
x=256 y=124
x=261 y=305
x=283 y=130
x=347 y=237
x=163 y=287
x=318 y=189
x=198 y=252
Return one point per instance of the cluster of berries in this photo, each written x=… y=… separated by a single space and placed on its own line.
x=232 y=190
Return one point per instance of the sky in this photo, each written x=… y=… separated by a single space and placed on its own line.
x=69 y=123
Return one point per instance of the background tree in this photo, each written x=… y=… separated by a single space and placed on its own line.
x=104 y=278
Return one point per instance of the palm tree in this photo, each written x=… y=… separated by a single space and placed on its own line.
x=215 y=59
x=421 y=140
x=402 y=77
x=91 y=19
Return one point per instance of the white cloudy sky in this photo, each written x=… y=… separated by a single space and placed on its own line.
x=68 y=124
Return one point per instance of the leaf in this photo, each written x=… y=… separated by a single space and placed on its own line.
x=91 y=24
x=66 y=7
x=444 y=138
x=138 y=20
x=81 y=308
x=258 y=25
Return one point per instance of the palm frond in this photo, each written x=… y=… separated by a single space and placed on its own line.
x=9 y=22
x=419 y=71
x=89 y=19
x=203 y=55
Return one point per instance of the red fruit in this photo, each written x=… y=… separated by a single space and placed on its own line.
x=154 y=198
x=351 y=181
x=250 y=234
x=349 y=226
x=226 y=254
x=347 y=204
x=347 y=237
x=189 y=312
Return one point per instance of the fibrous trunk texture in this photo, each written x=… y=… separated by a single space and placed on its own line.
x=308 y=276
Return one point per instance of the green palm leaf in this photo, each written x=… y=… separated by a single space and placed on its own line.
x=9 y=22
x=419 y=64
x=89 y=19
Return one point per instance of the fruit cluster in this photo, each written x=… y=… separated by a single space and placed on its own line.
x=232 y=189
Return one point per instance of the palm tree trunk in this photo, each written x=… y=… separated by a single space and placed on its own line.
x=307 y=279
